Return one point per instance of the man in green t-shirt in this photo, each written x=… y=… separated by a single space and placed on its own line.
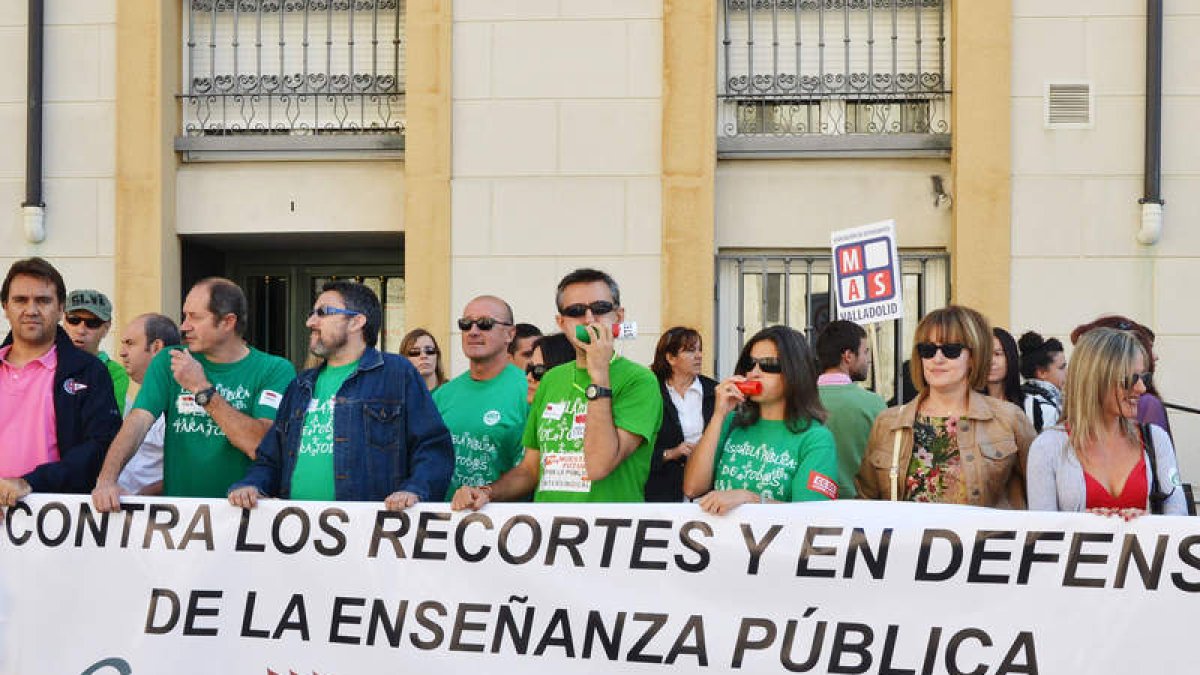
x=88 y=317
x=593 y=421
x=219 y=397
x=485 y=407
x=844 y=355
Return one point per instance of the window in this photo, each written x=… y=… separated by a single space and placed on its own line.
x=793 y=289
x=289 y=75
x=834 y=75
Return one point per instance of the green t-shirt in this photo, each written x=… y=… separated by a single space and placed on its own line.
x=852 y=412
x=312 y=479
x=198 y=461
x=486 y=420
x=120 y=380
x=770 y=460
x=556 y=425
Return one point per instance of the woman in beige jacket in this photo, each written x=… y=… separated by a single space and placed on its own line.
x=951 y=444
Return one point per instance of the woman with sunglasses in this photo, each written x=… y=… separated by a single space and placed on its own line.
x=769 y=446
x=1099 y=459
x=422 y=351
x=1150 y=405
x=688 y=399
x=951 y=444
x=548 y=351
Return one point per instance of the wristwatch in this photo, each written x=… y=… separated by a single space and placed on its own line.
x=594 y=392
x=204 y=396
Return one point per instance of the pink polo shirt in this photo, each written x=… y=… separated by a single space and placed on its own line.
x=27 y=414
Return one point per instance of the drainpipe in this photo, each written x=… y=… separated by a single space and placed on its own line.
x=1151 y=201
x=33 y=209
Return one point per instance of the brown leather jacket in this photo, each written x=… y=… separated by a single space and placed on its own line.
x=993 y=440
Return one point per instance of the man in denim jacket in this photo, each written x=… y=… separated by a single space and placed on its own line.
x=360 y=427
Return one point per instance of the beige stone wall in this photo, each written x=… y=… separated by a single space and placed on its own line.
x=795 y=204
x=79 y=122
x=557 y=154
x=281 y=197
x=1075 y=191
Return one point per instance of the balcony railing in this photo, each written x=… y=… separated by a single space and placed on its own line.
x=282 y=75
x=834 y=76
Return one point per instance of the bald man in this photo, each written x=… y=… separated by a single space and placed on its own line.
x=485 y=408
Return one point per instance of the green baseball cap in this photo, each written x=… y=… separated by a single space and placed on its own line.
x=89 y=300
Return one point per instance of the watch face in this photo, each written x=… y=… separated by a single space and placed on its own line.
x=590 y=392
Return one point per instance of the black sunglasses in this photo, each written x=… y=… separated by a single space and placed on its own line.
x=1132 y=380
x=599 y=308
x=951 y=350
x=537 y=370
x=93 y=323
x=767 y=364
x=417 y=351
x=485 y=323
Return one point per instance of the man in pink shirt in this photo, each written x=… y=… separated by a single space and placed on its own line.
x=57 y=410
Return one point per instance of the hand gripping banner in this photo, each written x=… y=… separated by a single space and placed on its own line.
x=197 y=586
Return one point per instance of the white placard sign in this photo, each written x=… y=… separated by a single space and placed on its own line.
x=866 y=272
x=197 y=586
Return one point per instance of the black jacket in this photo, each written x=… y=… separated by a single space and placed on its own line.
x=86 y=420
x=665 y=483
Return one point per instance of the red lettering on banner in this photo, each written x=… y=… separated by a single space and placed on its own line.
x=880 y=284
x=850 y=259
x=854 y=291
x=818 y=482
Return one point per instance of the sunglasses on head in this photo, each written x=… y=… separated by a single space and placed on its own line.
x=951 y=350
x=417 y=351
x=93 y=323
x=324 y=311
x=767 y=364
x=537 y=370
x=485 y=323
x=1131 y=380
x=599 y=308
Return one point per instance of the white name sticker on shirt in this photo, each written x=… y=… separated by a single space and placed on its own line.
x=564 y=472
x=578 y=427
x=270 y=398
x=186 y=405
x=554 y=411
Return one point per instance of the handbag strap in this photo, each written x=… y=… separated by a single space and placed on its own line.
x=1156 y=498
x=894 y=473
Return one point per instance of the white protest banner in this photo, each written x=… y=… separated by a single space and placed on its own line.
x=196 y=586
x=866 y=272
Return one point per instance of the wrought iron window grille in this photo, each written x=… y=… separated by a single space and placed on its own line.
x=293 y=75
x=824 y=75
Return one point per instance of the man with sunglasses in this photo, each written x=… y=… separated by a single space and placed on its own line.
x=57 y=411
x=219 y=396
x=593 y=421
x=89 y=316
x=485 y=407
x=359 y=427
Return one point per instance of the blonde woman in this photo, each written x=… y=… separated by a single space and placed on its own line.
x=952 y=444
x=421 y=350
x=1098 y=459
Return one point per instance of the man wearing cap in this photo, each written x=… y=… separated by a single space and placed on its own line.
x=88 y=318
x=57 y=411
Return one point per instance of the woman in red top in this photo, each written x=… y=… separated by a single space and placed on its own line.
x=1098 y=459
